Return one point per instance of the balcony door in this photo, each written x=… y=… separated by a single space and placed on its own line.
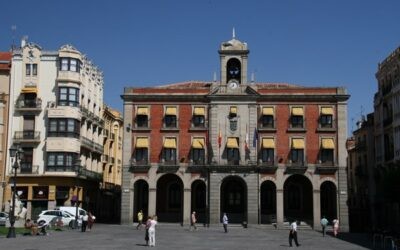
x=29 y=127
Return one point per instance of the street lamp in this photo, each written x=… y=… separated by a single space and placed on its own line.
x=77 y=170
x=18 y=153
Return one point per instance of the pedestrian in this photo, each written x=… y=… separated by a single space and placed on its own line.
x=324 y=223
x=146 y=235
x=91 y=219
x=152 y=232
x=293 y=234
x=140 y=219
x=193 y=220
x=85 y=219
x=335 y=227
x=225 y=222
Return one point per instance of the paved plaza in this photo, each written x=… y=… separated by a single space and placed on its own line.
x=170 y=236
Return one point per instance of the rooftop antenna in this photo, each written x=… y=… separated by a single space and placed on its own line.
x=233 y=33
x=362 y=113
x=215 y=77
x=13 y=30
x=352 y=125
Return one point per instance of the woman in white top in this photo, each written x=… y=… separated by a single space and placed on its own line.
x=152 y=232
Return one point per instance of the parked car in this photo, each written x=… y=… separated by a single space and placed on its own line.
x=72 y=210
x=51 y=216
x=3 y=218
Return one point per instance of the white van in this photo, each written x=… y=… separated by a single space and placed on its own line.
x=72 y=210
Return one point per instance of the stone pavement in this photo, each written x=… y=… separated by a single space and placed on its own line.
x=171 y=236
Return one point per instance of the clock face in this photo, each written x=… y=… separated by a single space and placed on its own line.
x=233 y=85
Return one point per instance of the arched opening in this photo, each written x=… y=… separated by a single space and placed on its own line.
x=298 y=199
x=141 y=200
x=268 y=202
x=234 y=70
x=199 y=200
x=328 y=200
x=234 y=199
x=169 y=199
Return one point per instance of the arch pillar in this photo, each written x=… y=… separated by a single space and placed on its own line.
x=152 y=201
x=187 y=201
x=316 y=208
x=279 y=208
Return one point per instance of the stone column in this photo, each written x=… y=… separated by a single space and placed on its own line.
x=187 y=202
x=152 y=201
x=316 y=209
x=252 y=198
x=127 y=176
x=214 y=199
x=279 y=208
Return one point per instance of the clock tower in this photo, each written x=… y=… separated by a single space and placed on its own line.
x=233 y=59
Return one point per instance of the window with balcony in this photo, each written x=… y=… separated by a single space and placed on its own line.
x=61 y=161
x=169 y=151
x=326 y=117
x=142 y=117
x=267 y=117
x=170 y=118
x=327 y=149
x=267 y=151
x=198 y=151
x=297 y=117
x=64 y=128
x=198 y=119
x=232 y=151
x=70 y=64
x=68 y=96
x=141 y=150
x=26 y=161
x=297 y=151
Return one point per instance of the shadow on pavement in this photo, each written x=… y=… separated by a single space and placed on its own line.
x=361 y=239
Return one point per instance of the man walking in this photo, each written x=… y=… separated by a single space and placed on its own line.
x=324 y=223
x=293 y=234
x=140 y=219
x=225 y=222
x=193 y=220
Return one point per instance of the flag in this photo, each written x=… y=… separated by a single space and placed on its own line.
x=246 y=141
x=255 y=138
x=219 y=138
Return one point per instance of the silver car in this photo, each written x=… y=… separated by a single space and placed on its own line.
x=3 y=218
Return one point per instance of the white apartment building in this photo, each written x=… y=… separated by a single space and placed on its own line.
x=56 y=105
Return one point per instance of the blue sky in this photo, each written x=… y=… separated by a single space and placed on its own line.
x=153 y=42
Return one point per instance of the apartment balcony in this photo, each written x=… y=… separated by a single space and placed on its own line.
x=26 y=169
x=33 y=105
x=168 y=166
x=141 y=166
x=27 y=137
x=297 y=127
x=327 y=167
x=296 y=167
x=197 y=166
x=90 y=175
x=91 y=145
x=69 y=76
x=268 y=166
x=229 y=168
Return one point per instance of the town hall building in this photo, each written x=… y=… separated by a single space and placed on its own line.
x=264 y=153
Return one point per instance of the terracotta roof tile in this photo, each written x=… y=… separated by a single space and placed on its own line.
x=5 y=60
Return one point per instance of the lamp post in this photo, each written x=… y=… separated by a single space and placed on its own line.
x=17 y=152
x=77 y=170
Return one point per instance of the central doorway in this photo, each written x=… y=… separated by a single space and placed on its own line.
x=169 y=199
x=234 y=199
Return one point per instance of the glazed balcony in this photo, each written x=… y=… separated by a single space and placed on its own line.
x=28 y=105
x=69 y=76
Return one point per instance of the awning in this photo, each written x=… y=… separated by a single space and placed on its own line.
x=232 y=142
x=233 y=110
x=198 y=143
x=298 y=111
x=142 y=142
x=199 y=111
x=298 y=143
x=169 y=143
x=28 y=90
x=143 y=111
x=268 y=143
x=268 y=111
x=327 y=143
x=327 y=111
x=170 y=111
